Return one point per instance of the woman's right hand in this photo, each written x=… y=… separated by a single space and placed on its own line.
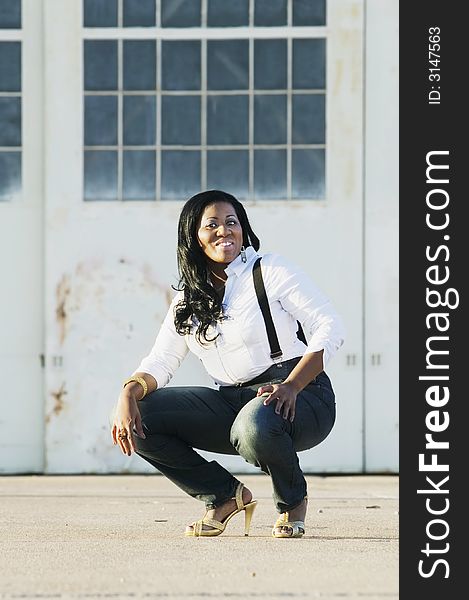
x=126 y=419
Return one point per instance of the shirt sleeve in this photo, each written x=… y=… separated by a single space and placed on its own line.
x=299 y=296
x=168 y=352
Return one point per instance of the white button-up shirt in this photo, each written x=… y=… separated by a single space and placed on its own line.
x=241 y=351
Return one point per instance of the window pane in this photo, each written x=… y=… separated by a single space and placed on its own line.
x=184 y=13
x=309 y=119
x=180 y=174
x=181 y=65
x=10 y=14
x=228 y=170
x=308 y=174
x=270 y=64
x=100 y=120
x=10 y=66
x=269 y=13
x=139 y=13
x=139 y=175
x=139 y=120
x=227 y=120
x=100 y=13
x=100 y=65
x=100 y=175
x=10 y=121
x=309 y=64
x=270 y=119
x=227 y=64
x=309 y=12
x=10 y=174
x=270 y=174
x=139 y=65
x=180 y=120
x=227 y=14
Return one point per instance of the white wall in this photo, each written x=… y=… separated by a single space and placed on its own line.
x=22 y=274
x=381 y=238
x=92 y=281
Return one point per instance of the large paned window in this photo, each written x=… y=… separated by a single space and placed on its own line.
x=186 y=95
x=10 y=99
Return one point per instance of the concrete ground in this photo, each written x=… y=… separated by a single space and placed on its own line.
x=120 y=536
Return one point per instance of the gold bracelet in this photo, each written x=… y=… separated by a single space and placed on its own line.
x=139 y=380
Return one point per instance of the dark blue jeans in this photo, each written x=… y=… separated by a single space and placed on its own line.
x=232 y=420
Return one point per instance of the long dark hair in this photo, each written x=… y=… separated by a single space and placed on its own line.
x=200 y=299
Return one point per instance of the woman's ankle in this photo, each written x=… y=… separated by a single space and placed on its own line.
x=299 y=511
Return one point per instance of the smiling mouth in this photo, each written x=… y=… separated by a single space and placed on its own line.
x=224 y=244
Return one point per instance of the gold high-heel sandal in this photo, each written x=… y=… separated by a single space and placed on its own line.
x=297 y=528
x=219 y=526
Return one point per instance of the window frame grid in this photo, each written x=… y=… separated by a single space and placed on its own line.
x=15 y=35
x=203 y=34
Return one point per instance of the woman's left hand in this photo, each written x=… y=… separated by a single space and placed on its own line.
x=285 y=395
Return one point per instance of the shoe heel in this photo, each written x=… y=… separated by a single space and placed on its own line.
x=248 y=512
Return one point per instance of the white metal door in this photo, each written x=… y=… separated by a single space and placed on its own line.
x=21 y=257
x=382 y=241
x=110 y=265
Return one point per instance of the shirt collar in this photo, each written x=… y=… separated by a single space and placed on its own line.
x=237 y=266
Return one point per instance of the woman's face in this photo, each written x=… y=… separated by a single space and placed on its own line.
x=220 y=234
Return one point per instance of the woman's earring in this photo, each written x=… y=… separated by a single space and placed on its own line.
x=243 y=254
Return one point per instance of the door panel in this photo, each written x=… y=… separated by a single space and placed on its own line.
x=382 y=240
x=22 y=268
x=110 y=265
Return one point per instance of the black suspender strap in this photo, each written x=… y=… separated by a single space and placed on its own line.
x=275 y=351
